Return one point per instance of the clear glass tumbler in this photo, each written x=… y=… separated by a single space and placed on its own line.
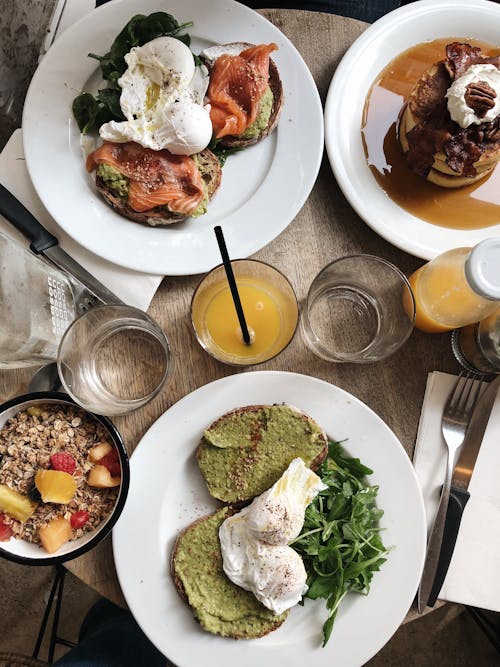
x=359 y=309
x=113 y=359
x=269 y=305
x=36 y=307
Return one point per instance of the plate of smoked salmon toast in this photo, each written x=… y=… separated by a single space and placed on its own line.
x=159 y=126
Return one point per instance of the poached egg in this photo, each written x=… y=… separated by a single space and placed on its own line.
x=254 y=542
x=162 y=99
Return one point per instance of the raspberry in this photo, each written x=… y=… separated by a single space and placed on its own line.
x=6 y=531
x=112 y=462
x=79 y=519
x=64 y=462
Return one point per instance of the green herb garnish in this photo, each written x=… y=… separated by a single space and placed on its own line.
x=221 y=152
x=91 y=112
x=340 y=542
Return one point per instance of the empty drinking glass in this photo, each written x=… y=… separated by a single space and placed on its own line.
x=113 y=359
x=359 y=309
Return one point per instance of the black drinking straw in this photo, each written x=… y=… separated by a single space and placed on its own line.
x=232 y=283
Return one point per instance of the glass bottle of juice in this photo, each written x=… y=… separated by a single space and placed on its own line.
x=457 y=288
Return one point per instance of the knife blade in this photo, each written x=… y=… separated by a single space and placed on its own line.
x=462 y=474
x=85 y=286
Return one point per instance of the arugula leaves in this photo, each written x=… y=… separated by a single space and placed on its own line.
x=340 y=542
x=91 y=112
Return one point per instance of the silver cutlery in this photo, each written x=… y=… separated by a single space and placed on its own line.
x=459 y=494
x=87 y=290
x=456 y=416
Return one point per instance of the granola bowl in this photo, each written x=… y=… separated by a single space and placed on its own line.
x=64 y=478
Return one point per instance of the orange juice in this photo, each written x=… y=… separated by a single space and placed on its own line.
x=271 y=315
x=444 y=299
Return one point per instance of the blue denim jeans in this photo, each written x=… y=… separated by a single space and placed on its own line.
x=110 y=637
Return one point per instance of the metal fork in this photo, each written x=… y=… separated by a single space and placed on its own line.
x=454 y=422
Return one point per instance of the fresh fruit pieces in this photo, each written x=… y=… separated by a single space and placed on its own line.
x=79 y=519
x=112 y=462
x=63 y=461
x=55 y=533
x=100 y=477
x=100 y=450
x=15 y=504
x=34 y=493
x=6 y=531
x=55 y=486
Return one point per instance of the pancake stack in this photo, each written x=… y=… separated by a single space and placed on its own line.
x=436 y=147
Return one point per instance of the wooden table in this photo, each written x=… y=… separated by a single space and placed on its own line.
x=326 y=228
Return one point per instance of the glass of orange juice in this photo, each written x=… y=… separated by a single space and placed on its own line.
x=269 y=305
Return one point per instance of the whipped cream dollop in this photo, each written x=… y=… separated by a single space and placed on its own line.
x=458 y=108
x=254 y=542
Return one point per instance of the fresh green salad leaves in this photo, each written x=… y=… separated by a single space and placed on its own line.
x=91 y=112
x=340 y=542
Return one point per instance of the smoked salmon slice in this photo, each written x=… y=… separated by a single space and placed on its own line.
x=237 y=84
x=156 y=178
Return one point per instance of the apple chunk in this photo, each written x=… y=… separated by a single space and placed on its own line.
x=100 y=477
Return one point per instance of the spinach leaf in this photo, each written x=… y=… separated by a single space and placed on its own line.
x=340 y=541
x=220 y=152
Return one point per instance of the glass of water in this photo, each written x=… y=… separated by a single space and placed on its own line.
x=113 y=359
x=359 y=309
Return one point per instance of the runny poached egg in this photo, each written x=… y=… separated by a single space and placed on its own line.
x=162 y=99
x=254 y=542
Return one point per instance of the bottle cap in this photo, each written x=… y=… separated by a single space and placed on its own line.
x=482 y=269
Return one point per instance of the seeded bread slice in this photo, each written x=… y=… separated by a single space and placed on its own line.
x=211 y=173
x=276 y=88
x=220 y=606
x=246 y=450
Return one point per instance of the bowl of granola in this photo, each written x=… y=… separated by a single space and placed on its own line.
x=64 y=477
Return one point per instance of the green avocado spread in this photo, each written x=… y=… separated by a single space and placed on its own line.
x=245 y=452
x=260 y=123
x=202 y=207
x=114 y=180
x=220 y=606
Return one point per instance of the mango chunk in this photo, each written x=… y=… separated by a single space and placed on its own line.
x=15 y=504
x=55 y=486
x=54 y=534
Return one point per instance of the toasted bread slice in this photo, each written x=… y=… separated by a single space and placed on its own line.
x=246 y=450
x=211 y=173
x=220 y=606
x=275 y=85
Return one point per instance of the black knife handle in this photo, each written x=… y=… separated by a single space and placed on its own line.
x=17 y=214
x=456 y=505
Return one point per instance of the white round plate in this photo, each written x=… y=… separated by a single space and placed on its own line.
x=391 y=35
x=263 y=187
x=167 y=493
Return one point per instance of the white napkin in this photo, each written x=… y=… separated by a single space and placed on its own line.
x=134 y=288
x=473 y=577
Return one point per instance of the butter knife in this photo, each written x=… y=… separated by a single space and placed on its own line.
x=86 y=288
x=459 y=494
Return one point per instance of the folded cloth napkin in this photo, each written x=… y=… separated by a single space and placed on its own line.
x=473 y=576
x=134 y=288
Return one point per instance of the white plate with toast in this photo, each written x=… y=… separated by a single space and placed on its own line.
x=388 y=37
x=263 y=187
x=167 y=493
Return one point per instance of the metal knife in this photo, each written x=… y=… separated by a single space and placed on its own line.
x=459 y=494
x=86 y=288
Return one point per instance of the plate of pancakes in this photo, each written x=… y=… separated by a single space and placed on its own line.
x=262 y=188
x=174 y=492
x=419 y=178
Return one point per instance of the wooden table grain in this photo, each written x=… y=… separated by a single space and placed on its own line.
x=326 y=228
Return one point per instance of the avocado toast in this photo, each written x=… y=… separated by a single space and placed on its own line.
x=246 y=450
x=220 y=606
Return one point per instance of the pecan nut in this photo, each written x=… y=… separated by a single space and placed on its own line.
x=480 y=97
